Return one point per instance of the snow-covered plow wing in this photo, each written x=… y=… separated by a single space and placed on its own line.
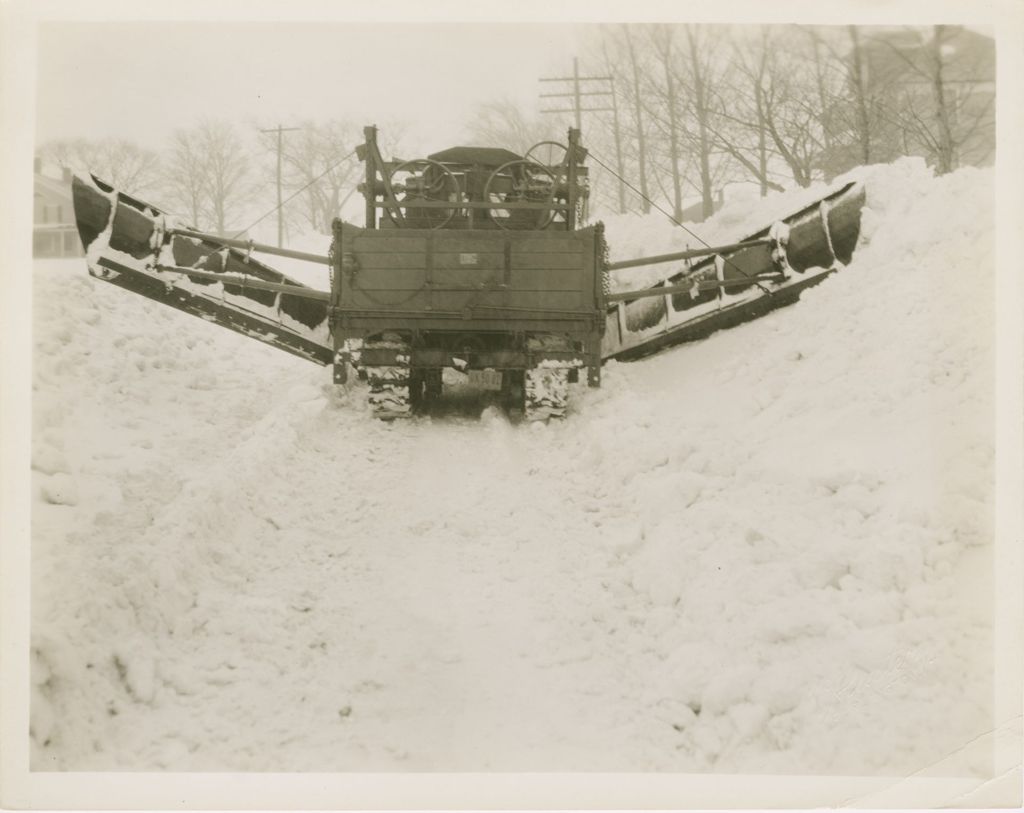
x=739 y=282
x=137 y=247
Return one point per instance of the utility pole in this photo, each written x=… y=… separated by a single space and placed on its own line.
x=577 y=105
x=578 y=109
x=280 y=144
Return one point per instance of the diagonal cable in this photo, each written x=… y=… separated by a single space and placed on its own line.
x=670 y=217
x=264 y=216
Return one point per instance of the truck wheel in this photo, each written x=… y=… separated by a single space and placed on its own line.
x=546 y=393
x=432 y=383
x=512 y=392
x=390 y=391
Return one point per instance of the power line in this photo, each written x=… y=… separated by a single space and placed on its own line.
x=692 y=233
x=277 y=208
x=578 y=110
x=577 y=107
x=280 y=142
x=297 y=192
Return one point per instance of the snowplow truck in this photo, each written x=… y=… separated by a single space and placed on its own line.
x=472 y=259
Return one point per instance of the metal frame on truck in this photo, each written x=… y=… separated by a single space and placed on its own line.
x=471 y=260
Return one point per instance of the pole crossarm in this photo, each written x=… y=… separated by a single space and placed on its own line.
x=574 y=78
x=582 y=110
x=570 y=95
x=577 y=93
x=607 y=98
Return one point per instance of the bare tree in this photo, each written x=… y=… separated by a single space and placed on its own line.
x=127 y=166
x=858 y=83
x=184 y=181
x=207 y=176
x=320 y=165
x=947 y=95
x=617 y=138
x=789 y=98
x=638 y=121
x=616 y=129
x=229 y=182
x=662 y=38
x=792 y=104
x=698 y=71
x=502 y=123
x=668 y=143
x=741 y=101
x=856 y=97
x=945 y=146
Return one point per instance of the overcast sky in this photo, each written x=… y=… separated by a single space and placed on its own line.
x=142 y=80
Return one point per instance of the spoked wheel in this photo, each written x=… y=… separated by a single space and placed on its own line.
x=513 y=392
x=555 y=156
x=423 y=180
x=432 y=383
x=547 y=153
x=521 y=181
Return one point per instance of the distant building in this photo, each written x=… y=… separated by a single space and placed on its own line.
x=968 y=82
x=53 y=220
x=694 y=213
x=901 y=70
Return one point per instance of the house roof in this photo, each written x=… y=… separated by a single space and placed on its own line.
x=967 y=56
x=52 y=187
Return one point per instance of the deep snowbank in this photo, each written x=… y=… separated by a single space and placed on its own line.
x=770 y=550
x=813 y=497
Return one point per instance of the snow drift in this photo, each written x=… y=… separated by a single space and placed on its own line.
x=768 y=551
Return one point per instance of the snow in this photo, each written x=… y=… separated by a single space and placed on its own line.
x=315 y=275
x=770 y=551
x=633 y=236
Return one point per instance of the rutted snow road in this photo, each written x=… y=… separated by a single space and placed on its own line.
x=423 y=597
x=309 y=589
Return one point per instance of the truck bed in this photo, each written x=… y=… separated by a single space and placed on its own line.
x=467 y=279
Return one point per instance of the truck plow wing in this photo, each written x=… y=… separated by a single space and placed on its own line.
x=734 y=283
x=137 y=247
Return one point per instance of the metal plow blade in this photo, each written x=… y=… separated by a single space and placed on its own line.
x=736 y=283
x=137 y=247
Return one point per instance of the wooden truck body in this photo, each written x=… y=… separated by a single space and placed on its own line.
x=469 y=259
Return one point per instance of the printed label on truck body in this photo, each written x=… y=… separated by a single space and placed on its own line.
x=485 y=379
